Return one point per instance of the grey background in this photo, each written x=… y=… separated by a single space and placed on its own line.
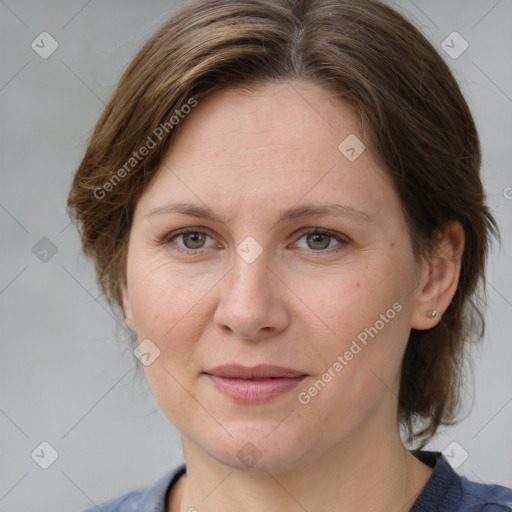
x=66 y=376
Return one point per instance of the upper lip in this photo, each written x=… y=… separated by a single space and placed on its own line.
x=264 y=371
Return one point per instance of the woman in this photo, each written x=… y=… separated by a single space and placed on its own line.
x=284 y=199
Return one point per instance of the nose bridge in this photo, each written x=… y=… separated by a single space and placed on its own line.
x=249 y=278
x=248 y=304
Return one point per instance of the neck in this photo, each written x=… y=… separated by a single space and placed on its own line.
x=368 y=472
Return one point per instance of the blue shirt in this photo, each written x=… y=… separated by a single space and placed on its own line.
x=445 y=491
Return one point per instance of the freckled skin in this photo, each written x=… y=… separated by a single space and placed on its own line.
x=249 y=156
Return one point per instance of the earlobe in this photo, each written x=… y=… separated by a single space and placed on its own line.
x=127 y=308
x=439 y=278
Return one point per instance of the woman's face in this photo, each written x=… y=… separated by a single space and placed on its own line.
x=253 y=285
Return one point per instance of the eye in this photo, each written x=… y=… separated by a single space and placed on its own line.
x=192 y=239
x=320 y=240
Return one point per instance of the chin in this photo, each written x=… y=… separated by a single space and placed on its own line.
x=259 y=449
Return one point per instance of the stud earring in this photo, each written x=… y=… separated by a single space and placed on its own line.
x=432 y=313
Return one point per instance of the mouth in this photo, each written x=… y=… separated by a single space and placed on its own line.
x=255 y=384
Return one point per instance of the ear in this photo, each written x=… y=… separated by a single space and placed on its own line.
x=439 y=278
x=127 y=308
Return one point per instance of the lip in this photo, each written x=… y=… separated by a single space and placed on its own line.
x=255 y=384
x=262 y=371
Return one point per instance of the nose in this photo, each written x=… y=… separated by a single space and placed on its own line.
x=253 y=302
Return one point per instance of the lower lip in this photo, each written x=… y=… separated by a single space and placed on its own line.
x=255 y=391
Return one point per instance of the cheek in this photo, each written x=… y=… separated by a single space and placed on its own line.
x=361 y=367
x=368 y=323
x=165 y=298
x=168 y=308
x=351 y=298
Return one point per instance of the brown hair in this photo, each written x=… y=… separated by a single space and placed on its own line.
x=415 y=119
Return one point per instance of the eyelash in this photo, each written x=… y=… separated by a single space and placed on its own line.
x=167 y=240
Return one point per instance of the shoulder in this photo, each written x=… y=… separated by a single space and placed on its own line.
x=449 y=492
x=151 y=498
x=477 y=497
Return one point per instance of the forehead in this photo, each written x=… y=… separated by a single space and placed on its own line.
x=294 y=117
x=270 y=146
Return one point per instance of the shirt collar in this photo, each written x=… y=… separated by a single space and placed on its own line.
x=443 y=490
x=154 y=499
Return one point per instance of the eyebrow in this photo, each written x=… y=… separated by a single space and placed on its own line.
x=299 y=212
